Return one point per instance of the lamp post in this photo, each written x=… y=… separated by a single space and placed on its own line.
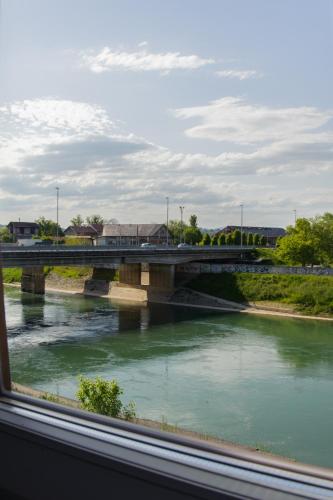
x=57 y=189
x=167 y=219
x=181 y=223
x=241 y=207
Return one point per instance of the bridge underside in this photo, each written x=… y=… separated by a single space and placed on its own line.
x=144 y=282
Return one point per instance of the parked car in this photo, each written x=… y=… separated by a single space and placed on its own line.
x=183 y=245
x=43 y=243
x=147 y=245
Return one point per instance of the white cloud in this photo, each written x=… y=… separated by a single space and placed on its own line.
x=231 y=119
x=239 y=74
x=142 y=60
x=75 y=145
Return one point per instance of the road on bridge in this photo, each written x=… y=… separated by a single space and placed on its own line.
x=99 y=256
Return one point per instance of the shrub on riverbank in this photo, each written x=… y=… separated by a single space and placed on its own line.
x=103 y=397
x=309 y=294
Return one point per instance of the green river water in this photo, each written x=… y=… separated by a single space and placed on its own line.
x=255 y=380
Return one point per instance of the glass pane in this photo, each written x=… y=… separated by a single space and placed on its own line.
x=165 y=196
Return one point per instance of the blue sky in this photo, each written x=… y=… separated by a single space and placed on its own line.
x=121 y=104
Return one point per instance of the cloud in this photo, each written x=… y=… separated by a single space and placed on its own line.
x=48 y=142
x=109 y=59
x=231 y=119
x=239 y=74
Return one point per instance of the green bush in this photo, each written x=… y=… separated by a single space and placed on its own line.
x=103 y=397
x=214 y=240
x=221 y=241
x=206 y=240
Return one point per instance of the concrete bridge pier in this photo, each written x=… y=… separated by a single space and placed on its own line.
x=99 y=283
x=144 y=282
x=33 y=280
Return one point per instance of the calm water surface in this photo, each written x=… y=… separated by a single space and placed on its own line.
x=254 y=380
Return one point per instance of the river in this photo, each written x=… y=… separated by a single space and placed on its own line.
x=255 y=380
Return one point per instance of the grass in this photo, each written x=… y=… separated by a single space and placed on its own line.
x=308 y=294
x=12 y=275
x=76 y=272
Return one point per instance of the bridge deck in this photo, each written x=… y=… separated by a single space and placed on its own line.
x=99 y=256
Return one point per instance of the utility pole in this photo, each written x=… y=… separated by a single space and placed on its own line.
x=167 y=219
x=295 y=215
x=181 y=223
x=241 y=207
x=57 y=189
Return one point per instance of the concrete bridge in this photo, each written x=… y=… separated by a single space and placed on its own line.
x=144 y=273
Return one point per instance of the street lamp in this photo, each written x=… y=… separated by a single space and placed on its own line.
x=167 y=218
x=181 y=222
x=241 y=207
x=57 y=190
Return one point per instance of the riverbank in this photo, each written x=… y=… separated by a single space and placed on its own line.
x=290 y=294
x=199 y=300
x=226 y=447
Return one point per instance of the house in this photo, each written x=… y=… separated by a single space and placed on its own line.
x=23 y=230
x=134 y=234
x=86 y=231
x=271 y=233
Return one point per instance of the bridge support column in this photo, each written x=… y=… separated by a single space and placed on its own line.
x=160 y=276
x=33 y=280
x=129 y=286
x=130 y=274
x=99 y=283
x=144 y=282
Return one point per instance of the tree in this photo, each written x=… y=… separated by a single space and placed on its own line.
x=192 y=235
x=249 y=239
x=5 y=235
x=322 y=228
x=205 y=240
x=48 y=227
x=221 y=241
x=237 y=236
x=229 y=239
x=77 y=221
x=193 y=221
x=301 y=245
x=176 y=230
x=256 y=239
x=95 y=219
x=262 y=240
x=214 y=240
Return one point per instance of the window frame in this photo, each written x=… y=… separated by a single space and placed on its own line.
x=209 y=468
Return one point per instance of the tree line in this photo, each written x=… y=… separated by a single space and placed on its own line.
x=191 y=234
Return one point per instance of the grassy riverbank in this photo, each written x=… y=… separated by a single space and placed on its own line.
x=311 y=295
x=13 y=275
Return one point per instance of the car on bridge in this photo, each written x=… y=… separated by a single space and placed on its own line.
x=147 y=245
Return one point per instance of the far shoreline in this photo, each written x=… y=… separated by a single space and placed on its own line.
x=245 y=310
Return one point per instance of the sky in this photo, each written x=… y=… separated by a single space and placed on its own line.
x=121 y=104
